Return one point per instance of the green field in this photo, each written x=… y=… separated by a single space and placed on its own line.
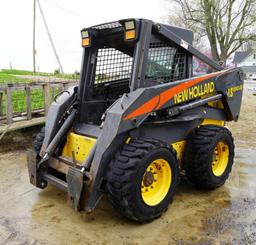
x=19 y=97
x=23 y=72
x=8 y=75
x=8 y=78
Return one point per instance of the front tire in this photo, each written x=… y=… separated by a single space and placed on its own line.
x=209 y=156
x=142 y=179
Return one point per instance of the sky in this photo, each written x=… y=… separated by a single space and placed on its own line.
x=65 y=19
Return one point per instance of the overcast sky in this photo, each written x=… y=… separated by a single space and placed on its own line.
x=16 y=28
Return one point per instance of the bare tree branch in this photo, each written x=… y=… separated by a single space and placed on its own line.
x=228 y=24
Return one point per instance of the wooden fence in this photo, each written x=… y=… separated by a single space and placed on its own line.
x=17 y=102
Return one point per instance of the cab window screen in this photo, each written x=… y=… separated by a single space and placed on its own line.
x=112 y=65
x=165 y=63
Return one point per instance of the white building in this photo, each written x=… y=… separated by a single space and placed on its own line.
x=247 y=61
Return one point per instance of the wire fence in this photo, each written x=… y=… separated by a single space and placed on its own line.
x=24 y=101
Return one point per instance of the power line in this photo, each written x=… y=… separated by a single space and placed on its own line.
x=34 y=36
x=50 y=37
x=68 y=11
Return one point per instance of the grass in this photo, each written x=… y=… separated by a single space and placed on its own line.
x=12 y=72
x=23 y=72
x=8 y=78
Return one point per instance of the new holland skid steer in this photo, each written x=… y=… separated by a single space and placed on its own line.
x=137 y=119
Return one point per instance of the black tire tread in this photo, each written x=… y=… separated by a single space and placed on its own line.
x=121 y=173
x=197 y=150
x=38 y=142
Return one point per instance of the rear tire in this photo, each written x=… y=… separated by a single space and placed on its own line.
x=142 y=179
x=209 y=156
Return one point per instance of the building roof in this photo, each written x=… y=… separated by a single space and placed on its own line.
x=249 y=69
x=239 y=56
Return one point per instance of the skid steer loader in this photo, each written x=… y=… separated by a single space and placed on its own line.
x=137 y=120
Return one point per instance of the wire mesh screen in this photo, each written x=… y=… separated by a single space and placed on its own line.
x=112 y=65
x=165 y=63
x=18 y=101
x=15 y=99
x=37 y=99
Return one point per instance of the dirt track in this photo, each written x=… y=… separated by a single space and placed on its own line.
x=225 y=216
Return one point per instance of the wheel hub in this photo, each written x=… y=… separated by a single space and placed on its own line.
x=148 y=179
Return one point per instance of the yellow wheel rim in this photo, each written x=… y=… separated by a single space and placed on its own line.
x=220 y=158
x=156 y=182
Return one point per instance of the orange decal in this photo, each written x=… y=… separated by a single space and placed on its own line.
x=145 y=108
x=158 y=101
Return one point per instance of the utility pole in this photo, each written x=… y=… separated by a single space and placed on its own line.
x=34 y=36
x=50 y=37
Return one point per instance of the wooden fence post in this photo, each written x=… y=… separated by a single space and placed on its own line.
x=66 y=85
x=47 y=98
x=9 y=105
x=54 y=91
x=28 y=102
x=62 y=87
x=1 y=103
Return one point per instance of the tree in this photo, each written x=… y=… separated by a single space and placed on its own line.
x=227 y=24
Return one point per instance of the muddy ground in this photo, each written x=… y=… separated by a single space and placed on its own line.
x=224 y=216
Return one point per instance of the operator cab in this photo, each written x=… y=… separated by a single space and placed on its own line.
x=122 y=56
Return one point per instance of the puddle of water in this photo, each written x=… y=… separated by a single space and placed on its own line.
x=242 y=180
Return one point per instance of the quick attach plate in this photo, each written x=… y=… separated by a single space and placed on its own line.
x=75 y=181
